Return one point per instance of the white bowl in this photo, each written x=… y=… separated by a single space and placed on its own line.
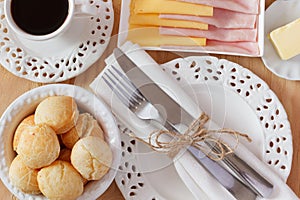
x=25 y=105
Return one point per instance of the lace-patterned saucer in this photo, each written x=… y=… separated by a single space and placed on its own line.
x=250 y=106
x=60 y=58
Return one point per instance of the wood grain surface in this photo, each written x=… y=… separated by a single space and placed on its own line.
x=287 y=91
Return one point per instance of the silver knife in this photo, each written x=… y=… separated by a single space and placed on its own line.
x=176 y=114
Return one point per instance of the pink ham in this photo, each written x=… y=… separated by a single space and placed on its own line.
x=221 y=19
x=244 y=6
x=246 y=48
x=213 y=33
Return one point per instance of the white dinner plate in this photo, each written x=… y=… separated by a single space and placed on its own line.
x=233 y=97
x=62 y=57
x=281 y=12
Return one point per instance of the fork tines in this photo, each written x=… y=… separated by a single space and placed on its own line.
x=122 y=87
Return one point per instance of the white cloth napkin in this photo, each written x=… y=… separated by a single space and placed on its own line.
x=201 y=184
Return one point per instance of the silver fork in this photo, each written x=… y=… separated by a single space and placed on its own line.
x=131 y=97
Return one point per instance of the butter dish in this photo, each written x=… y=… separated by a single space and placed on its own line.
x=275 y=18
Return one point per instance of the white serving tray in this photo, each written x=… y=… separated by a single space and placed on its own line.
x=124 y=25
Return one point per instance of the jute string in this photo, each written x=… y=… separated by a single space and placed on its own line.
x=197 y=136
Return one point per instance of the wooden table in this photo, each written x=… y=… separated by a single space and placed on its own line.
x=288 y=93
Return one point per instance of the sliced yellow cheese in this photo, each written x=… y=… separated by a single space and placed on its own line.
x=154 y=20
x=149 y=36
x=171 y=7
x=286 y=40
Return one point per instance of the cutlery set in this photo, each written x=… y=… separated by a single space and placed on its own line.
x=145 y=98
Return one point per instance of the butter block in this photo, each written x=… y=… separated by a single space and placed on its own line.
x=171 y=7
x=150 y=36
x=286 y=40
x=155 y=20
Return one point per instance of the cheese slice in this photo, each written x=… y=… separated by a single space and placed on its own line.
x=150 y=37
x=171 y=7
x=154 y=20
x=286 y=40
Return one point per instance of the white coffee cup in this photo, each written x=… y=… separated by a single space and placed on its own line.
x=76 y=8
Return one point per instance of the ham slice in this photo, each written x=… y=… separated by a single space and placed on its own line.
x=246 y=48
x=221 y=19
x=213 y=33
x=244 y=6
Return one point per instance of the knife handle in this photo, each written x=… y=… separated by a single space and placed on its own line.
x=234 y=185
x=247 y=174
x=239 y=168
x=237 y=188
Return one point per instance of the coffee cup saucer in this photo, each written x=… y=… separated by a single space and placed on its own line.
x=62 y=57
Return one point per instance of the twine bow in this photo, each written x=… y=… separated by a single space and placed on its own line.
x=197 y=136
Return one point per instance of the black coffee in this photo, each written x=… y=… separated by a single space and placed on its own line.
x=39 y=17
